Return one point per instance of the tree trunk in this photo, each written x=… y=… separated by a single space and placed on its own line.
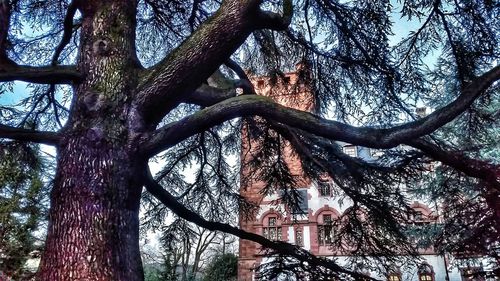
x=94 y=224
x=93 y=229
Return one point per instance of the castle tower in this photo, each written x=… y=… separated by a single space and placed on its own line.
x=292 y=90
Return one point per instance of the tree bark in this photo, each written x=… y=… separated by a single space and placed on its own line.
x=94 y=223
x=93 y=231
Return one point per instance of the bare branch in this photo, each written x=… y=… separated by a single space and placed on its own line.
x=49 y=138
x=251 y=105
x=41 y=75
x=10 y=71
x=278 y=246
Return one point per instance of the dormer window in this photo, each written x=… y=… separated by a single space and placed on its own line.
x=325 y=188
x=421 y=111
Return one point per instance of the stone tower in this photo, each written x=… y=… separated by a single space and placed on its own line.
x=292 y=90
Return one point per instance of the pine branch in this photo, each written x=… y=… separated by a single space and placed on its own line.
x=165 y=85
x=459 y=161
x=253 y=105
x=41 y=75
x=49 y=138
x=68 y=29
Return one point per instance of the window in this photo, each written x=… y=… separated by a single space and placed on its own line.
x=472 y=274
x=425 y=273
x=299 y=237
x=394 y=277
x=351 y=150
x=303 y=206
x=325 y=231
x=418 y=216
x=325 y=188
x=425 y=277
x=272 y=231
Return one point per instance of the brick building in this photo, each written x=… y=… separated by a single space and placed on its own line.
x=312 y=229
x=293 y=91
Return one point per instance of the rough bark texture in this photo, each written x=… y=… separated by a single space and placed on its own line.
x=94 y=222
x=94 y=219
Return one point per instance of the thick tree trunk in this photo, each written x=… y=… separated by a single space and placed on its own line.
x=94 y=224
x=93 y=229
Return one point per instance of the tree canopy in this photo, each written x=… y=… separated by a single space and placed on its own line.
x=114 y=84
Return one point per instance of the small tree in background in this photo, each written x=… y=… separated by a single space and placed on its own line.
x=21 y=207
x=168 y=272
x=222 y=268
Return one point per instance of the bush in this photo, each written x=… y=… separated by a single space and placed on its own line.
x=222 y=268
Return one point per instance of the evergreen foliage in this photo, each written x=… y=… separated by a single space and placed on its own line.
x=222 y=268
x=113 y=85
x=22 y=207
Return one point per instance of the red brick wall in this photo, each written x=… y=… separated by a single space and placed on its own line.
x=293 y=93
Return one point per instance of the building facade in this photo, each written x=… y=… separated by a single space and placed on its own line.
x=311 y=226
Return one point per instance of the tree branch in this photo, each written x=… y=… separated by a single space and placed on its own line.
x=278 y=246
x=471 y=167
x=244 y=81
x=5 y=13
x=207 y=95
x=68 y=29
x=41 y=75
x=188 y=66
x=251 y=105
x=274 y=21
x=220 y=88
x=49 y=138
x=173 y=79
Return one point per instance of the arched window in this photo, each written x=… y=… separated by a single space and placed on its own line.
x=394 y=277
x=421 y=214
x=325 y=230
x=425 y=273
x=325 y=218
